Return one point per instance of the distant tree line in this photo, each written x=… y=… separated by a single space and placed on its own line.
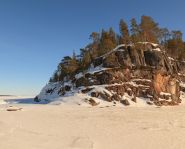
x=145 y=31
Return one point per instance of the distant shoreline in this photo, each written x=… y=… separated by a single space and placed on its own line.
x=5 y=95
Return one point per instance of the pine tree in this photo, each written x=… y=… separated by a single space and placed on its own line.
x=123 y=27
x=107 y=43
x=73 y=64
x=176 y=45
x=86 y=59
x=149 y=29
x=177 y=35
x=94 y=46
x=112 y=35
x=54 y=78
x=69 y=65
x=163 y=36
x=95 y=37
x=135 y=31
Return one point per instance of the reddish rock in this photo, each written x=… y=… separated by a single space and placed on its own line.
x=95 y=94
x=86 y=90
x=129 y=91
x=93 y=102
x=149 y=103
x=105 y=97
x=116 y=97
x=125 y=102
x=134 y=99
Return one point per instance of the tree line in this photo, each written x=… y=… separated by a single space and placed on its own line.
x=147 y=30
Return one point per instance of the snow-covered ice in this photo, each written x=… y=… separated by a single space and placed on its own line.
x=79 y=127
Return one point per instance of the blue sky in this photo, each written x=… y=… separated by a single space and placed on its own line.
x=36 y=34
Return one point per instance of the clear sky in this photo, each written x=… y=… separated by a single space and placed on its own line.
x=36 y=34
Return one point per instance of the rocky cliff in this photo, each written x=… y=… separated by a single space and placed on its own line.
x=125 y=75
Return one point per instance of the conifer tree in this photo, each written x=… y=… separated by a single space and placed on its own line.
x=69 y=65
x=149 y=29
x=106 y=43
x=54 y=78
x=95 y=37
x=164 y=35
x=73 y=64
x=112 y=35
x=94 y=46
x=123 y=27
x=135 y=30
x=175 y=45
x=177 y=35
x=86 y=59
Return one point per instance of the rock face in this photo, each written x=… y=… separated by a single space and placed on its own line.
x=137 y=71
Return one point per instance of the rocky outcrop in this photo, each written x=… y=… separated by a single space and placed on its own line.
x=135 y=71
